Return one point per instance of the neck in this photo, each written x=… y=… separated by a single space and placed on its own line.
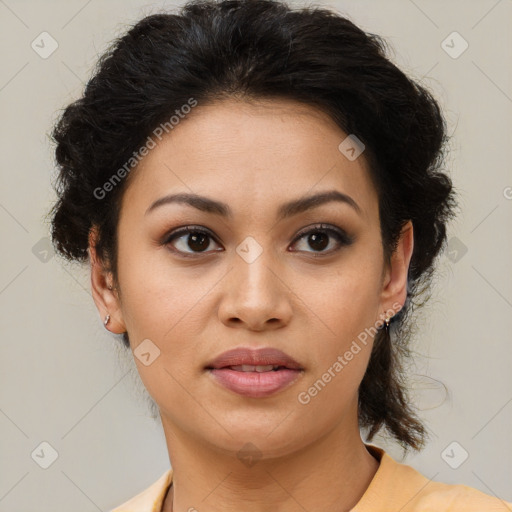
x=332 y=473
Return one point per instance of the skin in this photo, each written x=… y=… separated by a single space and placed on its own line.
x=254 y=157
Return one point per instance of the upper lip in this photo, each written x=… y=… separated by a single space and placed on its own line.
x=258 y=357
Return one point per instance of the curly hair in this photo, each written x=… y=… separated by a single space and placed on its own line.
x=251 y=49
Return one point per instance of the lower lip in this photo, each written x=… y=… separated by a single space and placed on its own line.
x=255 y=384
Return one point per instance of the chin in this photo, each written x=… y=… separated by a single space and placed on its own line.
x=259 y=439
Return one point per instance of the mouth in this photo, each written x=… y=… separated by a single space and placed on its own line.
x=256 y=368
x=255 y=373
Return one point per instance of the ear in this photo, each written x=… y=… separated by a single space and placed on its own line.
x=106 y=299
x=394 y=286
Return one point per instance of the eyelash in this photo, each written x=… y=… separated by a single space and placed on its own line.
x=341 y=236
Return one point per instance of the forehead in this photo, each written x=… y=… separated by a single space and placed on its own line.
x=256 y=152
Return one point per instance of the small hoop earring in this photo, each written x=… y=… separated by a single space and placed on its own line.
x=105 y=322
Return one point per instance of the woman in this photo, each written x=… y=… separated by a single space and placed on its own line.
x=259 y=193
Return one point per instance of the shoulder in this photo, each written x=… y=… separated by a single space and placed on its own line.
x=440 y=497
x=150 y=499
x=398 y=486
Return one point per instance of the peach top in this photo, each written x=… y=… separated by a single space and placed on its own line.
x=394 y=487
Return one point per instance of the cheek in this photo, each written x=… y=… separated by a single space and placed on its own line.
x=342 y=347
x=157 y=296
x=346 y=298
x=162 y=310
x=346 y=309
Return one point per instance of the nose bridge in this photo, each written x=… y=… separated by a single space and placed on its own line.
x=255 y=294
x=253 y=269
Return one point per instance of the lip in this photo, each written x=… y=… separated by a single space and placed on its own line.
x=252 y=383
x=255 y=357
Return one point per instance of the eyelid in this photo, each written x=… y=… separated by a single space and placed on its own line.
x=175 y=233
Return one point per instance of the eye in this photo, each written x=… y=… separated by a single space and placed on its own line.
x=194 y=240
x=190 y=240
x=320 y=237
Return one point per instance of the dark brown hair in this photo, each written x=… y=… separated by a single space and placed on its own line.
x=265 y=49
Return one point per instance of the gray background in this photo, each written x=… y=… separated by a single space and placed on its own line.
x=64 y=379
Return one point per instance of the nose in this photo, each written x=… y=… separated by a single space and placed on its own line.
x=255 y=296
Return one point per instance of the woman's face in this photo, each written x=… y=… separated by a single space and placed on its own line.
x=263 y=275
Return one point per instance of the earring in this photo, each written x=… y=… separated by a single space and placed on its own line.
x=107 y=318
x=388 y=319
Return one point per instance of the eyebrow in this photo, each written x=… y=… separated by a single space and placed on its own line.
x=286 y=210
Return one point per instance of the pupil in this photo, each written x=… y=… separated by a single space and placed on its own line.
x=200 y=239
x=318 y=241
